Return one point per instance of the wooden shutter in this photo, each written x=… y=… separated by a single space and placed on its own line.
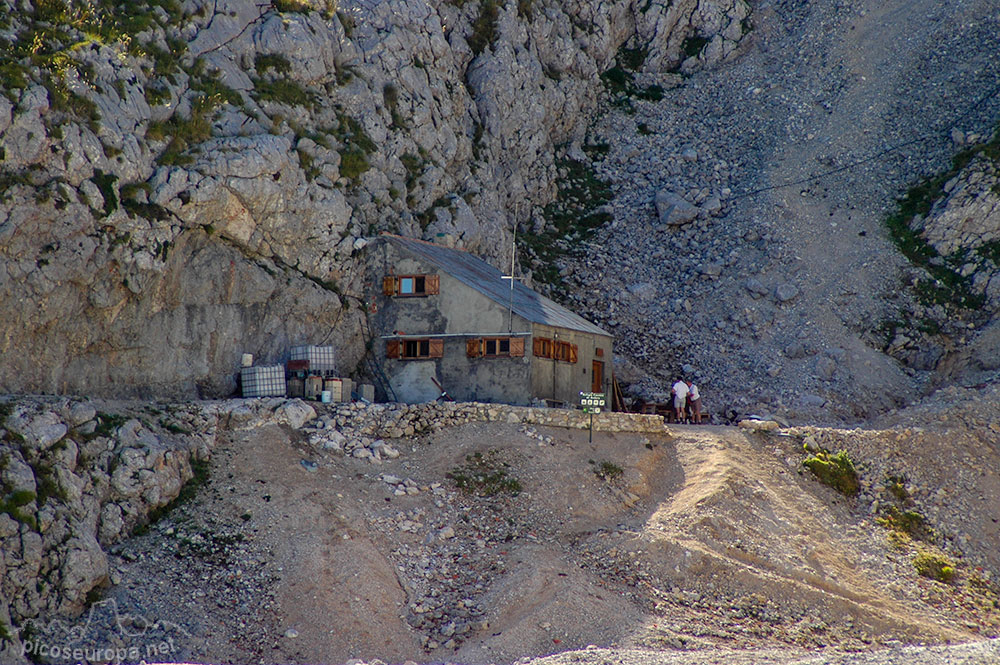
x=573 y=353
x=436 y=348
x=474 y=347
x=516 y=347
x=389 y=286
x=392 y=348
x=432 y=285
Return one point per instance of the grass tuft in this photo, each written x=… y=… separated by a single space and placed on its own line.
x=935 y=566
x=485 y=476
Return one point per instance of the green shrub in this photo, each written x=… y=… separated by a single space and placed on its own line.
x=107 y=424
x=484 y=28
x=264 y=62
x=106 y=184
x=291 y=6
x=837 y=471
x=347 y=22
x=935 y=566
x=909 y=522
x=353 y=163
x=485 y=475
x=693 y=45
x=606 y=470
x=283 y=91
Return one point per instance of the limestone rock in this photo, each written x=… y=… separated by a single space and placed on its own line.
x=786 y=292
x=673 y=209
x=295 y=413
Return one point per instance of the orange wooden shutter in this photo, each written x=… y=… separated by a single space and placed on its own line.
x=389 y=286
x=436 y=348
x=572 y=353
x=392 y=348
x=432 y=285
x=516 y=347
x=473 y=347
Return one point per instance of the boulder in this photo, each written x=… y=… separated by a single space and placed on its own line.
x=673 y=209
x=295 y=413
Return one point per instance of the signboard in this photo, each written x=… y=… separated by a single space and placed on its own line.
x=592 y=402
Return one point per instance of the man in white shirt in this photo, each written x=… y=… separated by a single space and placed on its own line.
x=679 y=391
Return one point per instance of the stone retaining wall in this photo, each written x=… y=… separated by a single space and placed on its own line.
x=361 y=430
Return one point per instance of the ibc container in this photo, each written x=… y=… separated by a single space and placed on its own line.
x=296 y=387
x=319 y=357
x=268 y=381
x=346 y=391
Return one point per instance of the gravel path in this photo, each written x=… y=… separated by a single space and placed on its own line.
x=772 y=299
x=976 y=653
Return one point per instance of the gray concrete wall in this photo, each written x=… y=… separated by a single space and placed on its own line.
x=562 y=381
x=456 y=309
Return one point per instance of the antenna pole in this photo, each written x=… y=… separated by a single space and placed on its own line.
x=513 y=253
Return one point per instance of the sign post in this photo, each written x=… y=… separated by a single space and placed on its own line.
x=592 y=403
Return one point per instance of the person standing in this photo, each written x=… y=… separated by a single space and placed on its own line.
x=679 y=391
x=694 y=402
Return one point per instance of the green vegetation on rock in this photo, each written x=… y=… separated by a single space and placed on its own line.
x=484 y=28
x=935 y=566
x=836 y=471
x=573 y=217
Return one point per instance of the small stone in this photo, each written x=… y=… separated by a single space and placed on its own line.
x=786 y=292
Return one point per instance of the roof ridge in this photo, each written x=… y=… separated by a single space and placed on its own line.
x=429 y=243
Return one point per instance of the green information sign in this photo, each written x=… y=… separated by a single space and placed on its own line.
x=592 y=402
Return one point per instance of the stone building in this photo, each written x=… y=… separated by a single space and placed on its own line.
x=440 y=314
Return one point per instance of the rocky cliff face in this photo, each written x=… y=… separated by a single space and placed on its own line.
x=73 y=481
x=184 y=182
x=77 y=477
x=949 y=226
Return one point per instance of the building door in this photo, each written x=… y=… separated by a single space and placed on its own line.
x=598 y=377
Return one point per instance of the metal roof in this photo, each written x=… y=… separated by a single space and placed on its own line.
x=481 y=276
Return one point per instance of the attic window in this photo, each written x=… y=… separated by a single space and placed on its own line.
x=410 y=285
x=495 y=347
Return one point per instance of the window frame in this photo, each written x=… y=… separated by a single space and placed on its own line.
x=392 y=285
x=554 y=349
x=400 y=348
x=477 y=347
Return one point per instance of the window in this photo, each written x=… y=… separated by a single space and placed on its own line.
x=414 y=349
x=495 y=347
x=542 y=347
x=411 y=285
